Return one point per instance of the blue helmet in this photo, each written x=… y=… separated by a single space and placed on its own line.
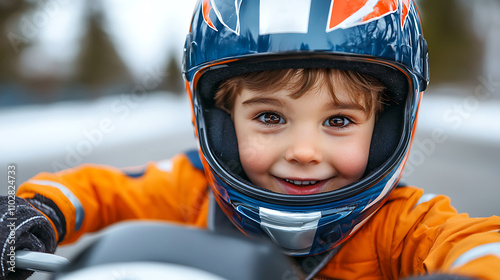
x=380 y=38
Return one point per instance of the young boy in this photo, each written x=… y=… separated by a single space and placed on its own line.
x=304 y=111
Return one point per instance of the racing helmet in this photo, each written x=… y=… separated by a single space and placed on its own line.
x=380 y=38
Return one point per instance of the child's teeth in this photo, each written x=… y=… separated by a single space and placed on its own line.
x=301 y=183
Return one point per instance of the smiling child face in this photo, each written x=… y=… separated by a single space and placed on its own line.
x=306 y=145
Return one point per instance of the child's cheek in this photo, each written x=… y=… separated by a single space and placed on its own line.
x=253 y=155
x=253 y=146
x=257 y=156
x=355 y=162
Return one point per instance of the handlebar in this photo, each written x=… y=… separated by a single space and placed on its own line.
x=162 y=251
x=38 y=261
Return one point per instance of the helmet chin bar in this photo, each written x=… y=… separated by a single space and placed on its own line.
x=291 y=231
x=298 y=233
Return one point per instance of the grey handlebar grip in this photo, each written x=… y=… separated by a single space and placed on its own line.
x=38 y=261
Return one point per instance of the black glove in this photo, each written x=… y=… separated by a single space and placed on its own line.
x=22 y=227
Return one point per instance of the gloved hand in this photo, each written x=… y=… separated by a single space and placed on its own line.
x=22 y=227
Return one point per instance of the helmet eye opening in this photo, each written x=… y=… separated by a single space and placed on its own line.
x=221 y=140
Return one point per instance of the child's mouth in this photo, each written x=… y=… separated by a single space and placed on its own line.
x=302 y=187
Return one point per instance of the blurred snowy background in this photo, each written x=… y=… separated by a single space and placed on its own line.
x=99 y=82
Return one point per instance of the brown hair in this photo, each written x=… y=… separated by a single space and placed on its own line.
x=364 y=89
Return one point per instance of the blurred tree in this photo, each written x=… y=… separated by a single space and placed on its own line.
x=173 y=81
x=98 y=64
x=455 y=51
x=12 y=39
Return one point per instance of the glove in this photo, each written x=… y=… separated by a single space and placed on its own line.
x=22 y=227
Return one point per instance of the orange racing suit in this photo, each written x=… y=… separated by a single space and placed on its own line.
x=412 y=234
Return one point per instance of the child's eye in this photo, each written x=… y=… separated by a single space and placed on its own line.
x=270 y=118
x=337 y=121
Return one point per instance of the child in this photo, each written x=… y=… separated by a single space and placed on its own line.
x=304 y=111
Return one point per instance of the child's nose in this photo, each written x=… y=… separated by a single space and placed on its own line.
x=303 y=149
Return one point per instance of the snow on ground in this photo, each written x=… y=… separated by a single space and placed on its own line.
x=40 y=131
x=471 y=114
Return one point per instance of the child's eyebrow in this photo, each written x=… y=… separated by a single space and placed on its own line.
x=263 y=100
x=340 y=105
x=345 y=106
